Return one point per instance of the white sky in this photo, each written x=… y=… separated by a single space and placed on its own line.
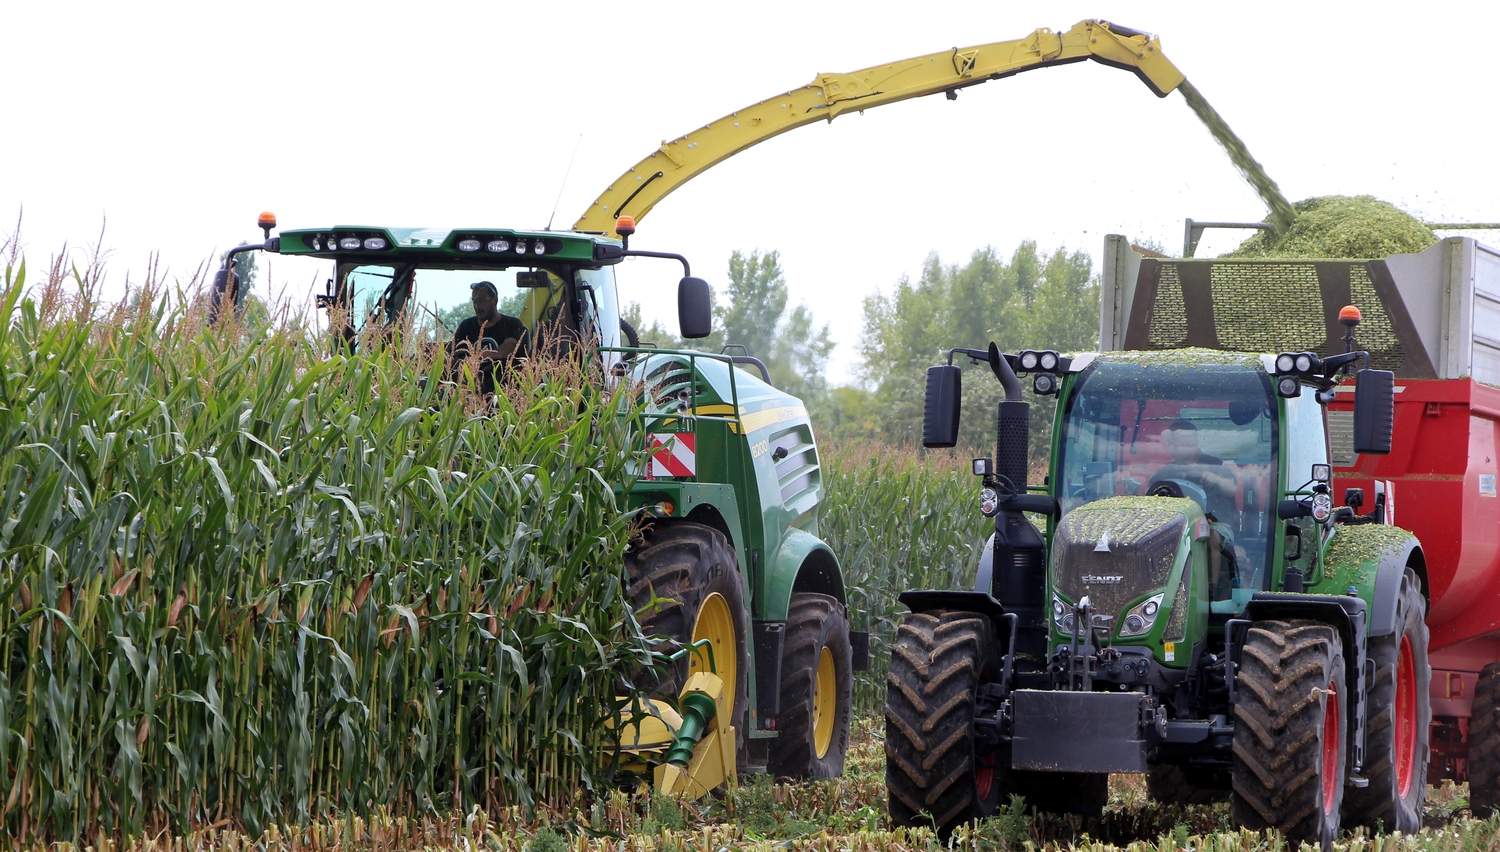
x=181 y=122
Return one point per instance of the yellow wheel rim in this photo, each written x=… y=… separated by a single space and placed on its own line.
x=716 y=624
x=825 y=703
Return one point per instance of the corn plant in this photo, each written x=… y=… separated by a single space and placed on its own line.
x=898 y=518
x=247 y=582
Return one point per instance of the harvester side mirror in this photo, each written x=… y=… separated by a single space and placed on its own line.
x=941 y=406
x=1374 y=411
x=695 y=313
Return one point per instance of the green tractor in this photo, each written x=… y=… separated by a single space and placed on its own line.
x=727 y=567
x=1194 y=607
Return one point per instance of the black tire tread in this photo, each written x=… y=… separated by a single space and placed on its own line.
x=936 y=665
x=1379 y=804
x=1170 y=785
x=672 y=570
x=1484 y=744
x=1284 y=667
x=812 y=621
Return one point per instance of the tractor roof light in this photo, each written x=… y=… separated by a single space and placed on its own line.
x=350 y=243
x=1289 y=387
x=1029 y=360
x=1349 y=315
x=375 y=243
x=468 y=245
x=1044 y=384
x=1047 y=360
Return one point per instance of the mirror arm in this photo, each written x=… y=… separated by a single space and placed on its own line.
x=687 y=271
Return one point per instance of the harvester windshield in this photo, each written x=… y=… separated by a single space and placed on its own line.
x=1137 y=427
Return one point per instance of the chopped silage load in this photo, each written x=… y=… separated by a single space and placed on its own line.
x=1342 y=226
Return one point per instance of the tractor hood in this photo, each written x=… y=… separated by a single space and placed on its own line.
x=1123 y=552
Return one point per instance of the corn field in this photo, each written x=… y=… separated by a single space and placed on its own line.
x=248 y=583
x=898 y=518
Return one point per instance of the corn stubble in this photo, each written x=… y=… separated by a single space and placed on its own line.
x=245 y=583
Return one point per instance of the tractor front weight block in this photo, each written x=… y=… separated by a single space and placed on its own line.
x=1062 y=731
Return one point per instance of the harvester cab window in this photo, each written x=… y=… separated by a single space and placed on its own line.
x=1207 y=434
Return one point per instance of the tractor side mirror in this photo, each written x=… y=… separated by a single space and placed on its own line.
x=942 y=406
x=695 y=314
x=1374 y=411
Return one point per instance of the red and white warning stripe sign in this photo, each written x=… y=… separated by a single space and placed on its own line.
x=674 y=454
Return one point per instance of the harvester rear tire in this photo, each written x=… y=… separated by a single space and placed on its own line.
x=814 y=623
x=1174 y=785
x=1291 y=718
x=1484 y=744
x=673 y=571
x=1399 y=715
x=933 y=773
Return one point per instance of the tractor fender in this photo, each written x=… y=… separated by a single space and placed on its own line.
x=803 y=563
x=1392 y=566
x=984 y=576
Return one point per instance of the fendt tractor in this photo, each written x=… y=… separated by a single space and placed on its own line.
x=1196 y=607
x=728 y=568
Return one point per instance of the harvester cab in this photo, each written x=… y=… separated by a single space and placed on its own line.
x=1178 y=605
x=726 y=567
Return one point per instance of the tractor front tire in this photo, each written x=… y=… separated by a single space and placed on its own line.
x=1484 y=744
x=685 y=585
x=1291 y=718
x=934 y=774
x=1400 y=713
x=1174 y=785
x=817 y=690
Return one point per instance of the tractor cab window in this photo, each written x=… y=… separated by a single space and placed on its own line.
x=1206 y=432
x=433 y=301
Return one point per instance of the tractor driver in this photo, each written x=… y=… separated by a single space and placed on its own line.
x=488 y=325
x=1190 y=464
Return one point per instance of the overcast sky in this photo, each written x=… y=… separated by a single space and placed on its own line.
x=180 y=123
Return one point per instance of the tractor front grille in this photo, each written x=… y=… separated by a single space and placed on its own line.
x=1114 y=551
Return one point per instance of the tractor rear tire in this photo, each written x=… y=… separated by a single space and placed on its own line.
x=1291 y=719
x=1400 y=713
x=1174 y=785
x=817 y=690
x=934 y=774
x=685 y=581
x=1484 y=744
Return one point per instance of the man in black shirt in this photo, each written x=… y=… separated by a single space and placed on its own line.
x=493 y=336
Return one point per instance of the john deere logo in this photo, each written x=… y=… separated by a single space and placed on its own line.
x=1102 y=580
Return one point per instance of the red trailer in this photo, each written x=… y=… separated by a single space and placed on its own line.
x=1434 y=319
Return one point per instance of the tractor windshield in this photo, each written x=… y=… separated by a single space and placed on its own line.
x=436 y=300
x=1203 y=431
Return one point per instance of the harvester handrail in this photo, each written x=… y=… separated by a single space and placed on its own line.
x=705 y=644
x=692 y=356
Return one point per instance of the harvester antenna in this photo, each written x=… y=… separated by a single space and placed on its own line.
x=560 y=189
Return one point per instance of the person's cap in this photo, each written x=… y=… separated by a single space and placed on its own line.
x=486 y=285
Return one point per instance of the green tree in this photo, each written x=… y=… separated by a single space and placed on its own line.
x=1030 y=301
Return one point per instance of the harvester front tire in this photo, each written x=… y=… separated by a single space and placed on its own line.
x=1399 y=715
x=817 y=690
x=933 y=773
x=674 y=570
x=1291 y=717
x=1173 y=785
x=1484 y=744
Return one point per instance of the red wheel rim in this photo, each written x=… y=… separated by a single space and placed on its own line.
x=1331 y=737
x=984 y=777
x=1406 y=716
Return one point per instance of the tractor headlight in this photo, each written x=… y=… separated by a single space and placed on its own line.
x=1062 y=616
x=1322 y=507
x=989 y=502
x=1140 y=618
